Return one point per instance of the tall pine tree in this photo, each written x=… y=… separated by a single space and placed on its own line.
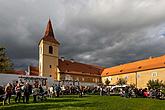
x=5 y=62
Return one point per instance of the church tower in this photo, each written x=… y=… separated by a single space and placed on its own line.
x=48 y=53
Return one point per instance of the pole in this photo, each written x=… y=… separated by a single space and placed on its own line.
x=136 y=79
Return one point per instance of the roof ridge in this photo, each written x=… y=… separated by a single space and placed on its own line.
x=141 y=65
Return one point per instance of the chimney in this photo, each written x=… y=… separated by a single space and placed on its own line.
x=72 y=60
x=150 y=57
x=28 y=71
x=62 y=58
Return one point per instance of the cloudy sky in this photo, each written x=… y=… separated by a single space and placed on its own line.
x=101 y=32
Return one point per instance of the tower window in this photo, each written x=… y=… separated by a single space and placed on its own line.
x=50 y=49
x=50 y=66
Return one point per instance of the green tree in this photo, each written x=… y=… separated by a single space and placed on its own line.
x=132 y=86
x=5 y=62
x=121 y=81
x=155 y=84
x=107 y=82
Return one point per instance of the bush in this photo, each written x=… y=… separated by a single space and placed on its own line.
x=155 y=84
x=107 y=82
x=121 y=81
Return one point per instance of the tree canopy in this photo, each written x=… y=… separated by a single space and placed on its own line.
x=107 y=82
x=5 y=62
x=121 y=81
x=155 y=84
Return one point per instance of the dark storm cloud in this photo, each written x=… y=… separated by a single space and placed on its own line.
x=103 y=32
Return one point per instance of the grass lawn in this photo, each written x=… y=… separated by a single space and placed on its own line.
x=90 y=103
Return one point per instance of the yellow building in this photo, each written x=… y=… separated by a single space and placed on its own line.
x=48 y=53
x=50 y=65
x=138 y=73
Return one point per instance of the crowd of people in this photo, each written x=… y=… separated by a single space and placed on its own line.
x=22 y=91
x=129 y=92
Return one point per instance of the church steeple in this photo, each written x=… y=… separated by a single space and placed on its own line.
x=49 y=34
x=49 y=30
x=48 y=53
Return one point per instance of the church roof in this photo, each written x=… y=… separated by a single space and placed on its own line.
x=72 y=67
x=147 y=64
x=49 y=34
x=16 y=72
x=34 y=71
x=67 y=66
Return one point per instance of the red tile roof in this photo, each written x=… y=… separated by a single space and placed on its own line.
x=147 y=64
x=17 y=72
x=49 y=34
x=68 y=66
x=72 y=67
x=34 y=71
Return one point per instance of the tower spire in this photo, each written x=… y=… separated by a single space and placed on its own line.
x=49 y=30
x=49 y=34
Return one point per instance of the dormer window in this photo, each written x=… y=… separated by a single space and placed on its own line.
x=121 y=70
x=50 y=49
x=139 y=67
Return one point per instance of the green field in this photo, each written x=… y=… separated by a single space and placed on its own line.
x=90 y=103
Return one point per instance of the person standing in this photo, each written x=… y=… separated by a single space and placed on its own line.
x=101 y=91
x=8 y=92
x=27 y=92
x=22 y=91
x=51 y=92
x=58 y=89
x=35 y=92
x=18 y=93
x=62 y=89
x=80 y=91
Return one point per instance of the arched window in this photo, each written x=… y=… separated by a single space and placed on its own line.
x=50 y=49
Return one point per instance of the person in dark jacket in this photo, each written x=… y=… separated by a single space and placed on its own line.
x=26 y=92
x=58 y=89
x=8 y=93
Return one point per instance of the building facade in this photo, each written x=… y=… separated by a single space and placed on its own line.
x=61 y=69
x=48 y=54
x=138 y=73
x=50 y=65
x=76 y=71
